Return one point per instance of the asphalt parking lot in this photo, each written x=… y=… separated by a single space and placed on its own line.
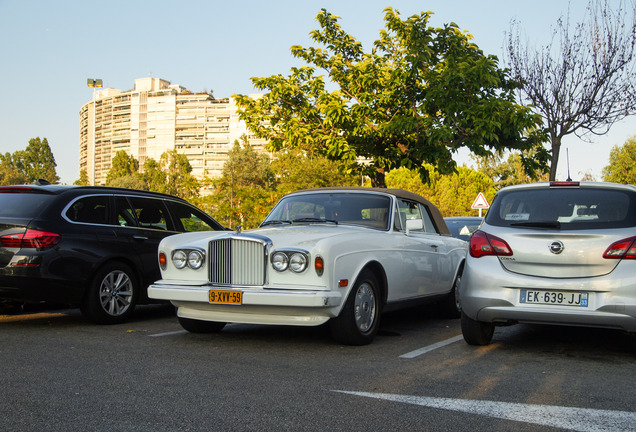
x=61 y=373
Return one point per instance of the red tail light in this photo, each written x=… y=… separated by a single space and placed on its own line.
x=30 y=239
x=482 y=244
x=622 y=249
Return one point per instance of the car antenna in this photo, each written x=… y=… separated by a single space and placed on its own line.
x=567 y=156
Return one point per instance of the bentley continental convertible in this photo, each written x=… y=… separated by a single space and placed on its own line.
x=340 y=256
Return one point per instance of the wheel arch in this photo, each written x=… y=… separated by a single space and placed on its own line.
x=378 y=270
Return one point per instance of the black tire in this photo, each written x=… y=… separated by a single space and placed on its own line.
x=199 y=326
x=450 y=305
x=112 y=294
x=476 y=332
x=359 y=320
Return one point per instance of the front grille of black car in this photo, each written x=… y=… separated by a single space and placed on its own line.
x=238 y=261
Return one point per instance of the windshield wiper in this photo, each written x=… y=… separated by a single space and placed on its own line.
x=311 y=219
x=546 y=224
x=276 y=222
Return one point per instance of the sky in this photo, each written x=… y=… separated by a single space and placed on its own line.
x=50 y=48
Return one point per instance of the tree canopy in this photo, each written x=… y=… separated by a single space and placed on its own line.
x=35 y=162
x=245 y=191
x=583 y=80
x=171 y=174
x=622 y=164
x=418 y=96
x=453 y=194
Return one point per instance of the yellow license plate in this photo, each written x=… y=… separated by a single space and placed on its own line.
x=226 y=297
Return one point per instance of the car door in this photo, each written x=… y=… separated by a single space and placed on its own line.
x=423 y=251
x=145 y=222
x=95 y=237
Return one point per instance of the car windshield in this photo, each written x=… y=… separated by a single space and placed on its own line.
x=564 y=208
x=371 y=210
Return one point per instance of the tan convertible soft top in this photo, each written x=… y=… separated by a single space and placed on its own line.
x=438 y=219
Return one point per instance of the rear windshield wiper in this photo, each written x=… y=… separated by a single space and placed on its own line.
x=311 y=219
x=546 y=224
x=276 y=222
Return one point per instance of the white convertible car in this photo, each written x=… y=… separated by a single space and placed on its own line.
x=341 y=255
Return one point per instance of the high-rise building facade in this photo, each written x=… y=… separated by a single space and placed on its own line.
x=154 y=118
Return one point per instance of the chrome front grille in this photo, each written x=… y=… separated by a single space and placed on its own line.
x=238 y=261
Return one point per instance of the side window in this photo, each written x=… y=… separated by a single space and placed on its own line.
x=151 y=213
x=188 y=219
x=92 y=209
x=125 y=213
x=407 y=210
x=429 y=226
x=411 y=210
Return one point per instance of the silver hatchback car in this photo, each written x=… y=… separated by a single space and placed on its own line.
x=554 y=253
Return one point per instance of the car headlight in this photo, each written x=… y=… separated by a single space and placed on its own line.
x=179 y=259
x=280 y=261
x=192 y=258
x=298 y=262
x=294 y=260
x=195 y=260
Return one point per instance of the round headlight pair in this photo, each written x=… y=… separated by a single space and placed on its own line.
x=191 y=258
x=294 y=261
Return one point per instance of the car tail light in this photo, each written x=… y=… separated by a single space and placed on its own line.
x=622 y=249
x=30 y=239
x=482 y=244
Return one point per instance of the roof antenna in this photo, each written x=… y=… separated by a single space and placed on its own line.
x=567 y=153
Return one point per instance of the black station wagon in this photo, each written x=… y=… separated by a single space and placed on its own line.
x=95 y=247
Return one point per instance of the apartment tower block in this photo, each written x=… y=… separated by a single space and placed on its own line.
x=154 y=118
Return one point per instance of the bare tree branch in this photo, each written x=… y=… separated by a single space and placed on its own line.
x=583 y=81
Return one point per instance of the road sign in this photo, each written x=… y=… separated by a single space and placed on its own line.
x=480 y=202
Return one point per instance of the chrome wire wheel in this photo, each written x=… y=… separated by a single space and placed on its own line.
x=364 y=307
x=116 y=293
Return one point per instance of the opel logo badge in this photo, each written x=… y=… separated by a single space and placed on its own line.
x=556 y=247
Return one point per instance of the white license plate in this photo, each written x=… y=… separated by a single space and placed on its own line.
x=560 y=298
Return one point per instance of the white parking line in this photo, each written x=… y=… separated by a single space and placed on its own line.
x=571 y=418
x=429 y=348
x=169 y=333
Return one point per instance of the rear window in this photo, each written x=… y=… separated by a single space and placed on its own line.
x=564 y=208
x=23 y=205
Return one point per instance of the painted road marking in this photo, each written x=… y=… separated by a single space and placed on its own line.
x=577 y=419
x=429 y=348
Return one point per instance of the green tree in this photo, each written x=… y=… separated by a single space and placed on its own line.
x=122 y=165
x=418 y=96
x=131 y=181
x=179 y=179
x=622 y=163
x=510 y=171
x=295 y=170
x=154 y=176
x=456 y=192
x=83 y=179
x=244 y=192
x=171 y=175
x=36 y=161
x=9 y=173
x=453 y=193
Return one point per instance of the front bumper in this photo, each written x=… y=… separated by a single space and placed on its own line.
x=300 y=306
x=489 y=293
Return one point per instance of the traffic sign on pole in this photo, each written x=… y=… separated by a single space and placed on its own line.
x=480 y=203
